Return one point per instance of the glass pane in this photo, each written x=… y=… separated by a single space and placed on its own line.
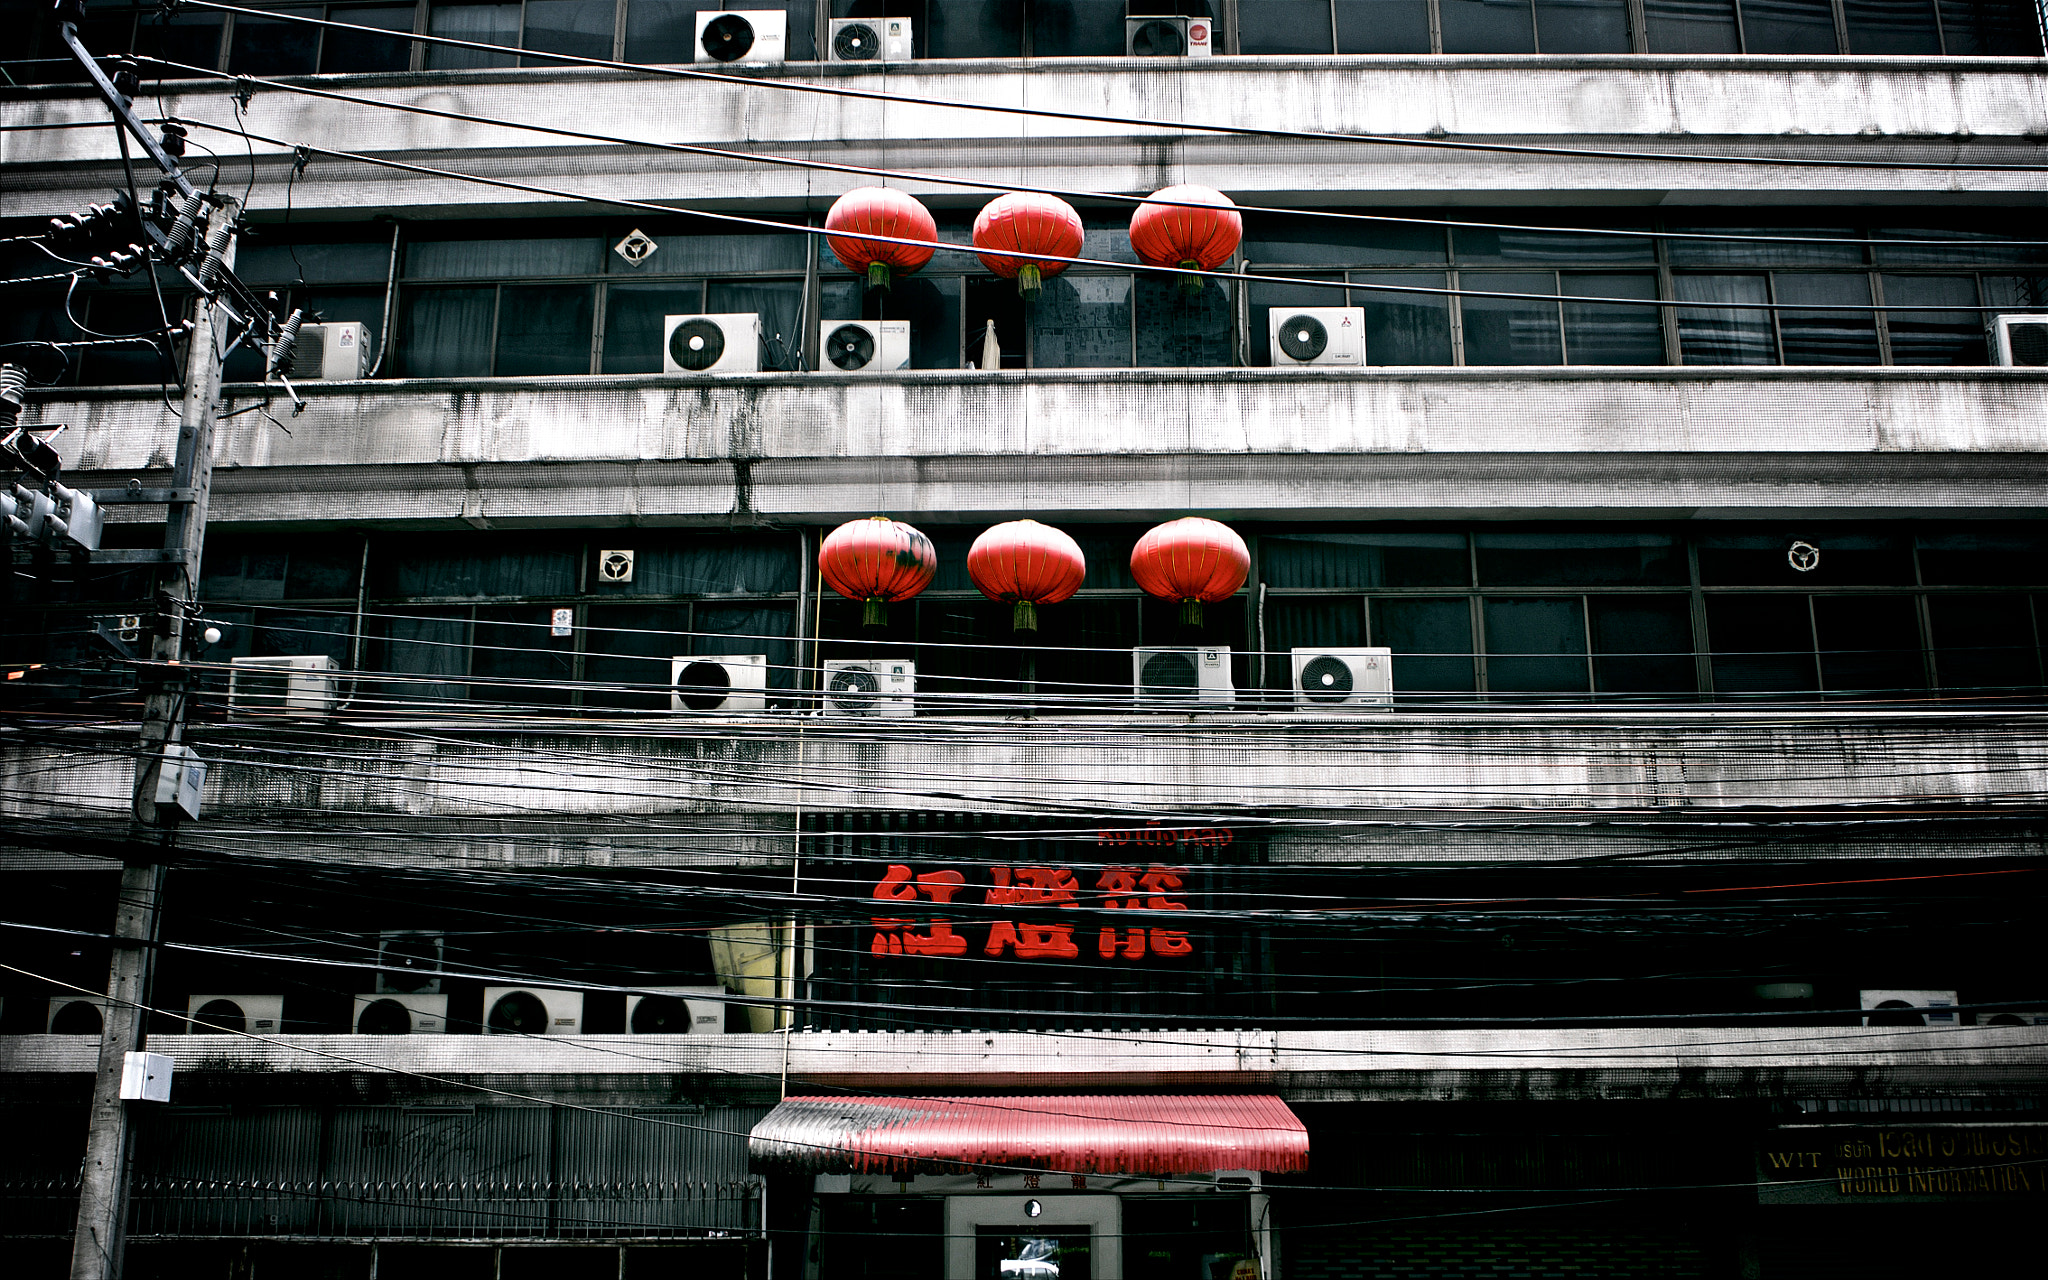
x=777 y=303
x=448 y=332
x=1405 y=328
x=1431 y=640
x=661 y=31
x=1047 y=1253
x=1868 y=644
x=694 y=246
x=1788 y=26
x=480 y=259
x=1265 y=298
x=1582 y=26
x=430 y=643
x=1724 y=334
x=1077 y=29
x=475 y=566
x=1984 y=241
x=757 y=628
x=359 y=51
x=1317 y=622
x=269 y=47
x=931 y=306
x=734 y=564
x=1642 y=644
x=1364 y=560
x=1983 y=557
x=633 y=315
x=1083 y=650
x=1934 y=337
x=483 y=23
x=1761 y=644
x=1540 y=246
x=1827 y=337
x=1775 y=246
x=1891 y=26
x=986 y=30
x=1804 y=557
x=2020 y=293
x=524 y=663
x=1535 y=645
x=1595 y=334
x=1504 y=331
x=627 y=651
x=1082 y=322
x=544 y=329
x=277 y=265
x=1983 y=644
x=1382 y=26
x=1339 y=242
x=1488 y=26
x=581 y=27
x=1995 y=27
x=1286 y=26
x=1568 y=559
x=1179 y=330
x=192 y=39
x=1692 y=26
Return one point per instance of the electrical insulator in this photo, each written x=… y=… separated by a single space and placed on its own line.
x=287 y=343
x=13 y=393
x=218 y=231
x=186 y=222
x=78 y=519
x=174 y=138
x=28 y=512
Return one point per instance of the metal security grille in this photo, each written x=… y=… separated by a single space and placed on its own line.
x=1399 y=1253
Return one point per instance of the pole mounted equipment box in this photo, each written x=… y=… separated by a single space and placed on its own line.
x=182 y=780
x=146 y=1077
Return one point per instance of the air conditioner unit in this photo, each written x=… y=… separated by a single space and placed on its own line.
x=1344 y=677
x=378 y=1014
x=225 y=1015
x=1910 y=1008
x=871 y=687
x=408 y=962
x=1165 y=37
x=869 y=40
x=1182 y=675
x=863 y=346
x=2020 y=340
x=2012 y=1017
x=532 y=1011
x=671 y=1011
x=711 y=344
x=77 y=1015
x=742 y=37
x=1316 y=335
x=331 y=352
x=730 y=682
x=298 y=683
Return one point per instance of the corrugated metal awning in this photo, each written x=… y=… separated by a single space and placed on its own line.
x=1134 y=1134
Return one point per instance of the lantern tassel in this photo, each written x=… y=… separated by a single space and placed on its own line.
x=1029 y=281
x=1024 y=617
x=1191 y=613
x=1190 y=284
x=874 y=612
x=878 y=275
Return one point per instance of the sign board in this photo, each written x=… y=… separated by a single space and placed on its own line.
x=1834 y=1165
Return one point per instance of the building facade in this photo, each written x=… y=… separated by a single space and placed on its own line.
x=1668 y=912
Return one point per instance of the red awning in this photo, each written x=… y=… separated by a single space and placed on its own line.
x=1101 y=1135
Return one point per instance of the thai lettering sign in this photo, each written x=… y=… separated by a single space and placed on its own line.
x=1034 y=922
x=1845 y=1166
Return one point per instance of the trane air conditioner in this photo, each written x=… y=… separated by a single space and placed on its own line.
x=408 y=962
x=1910 y=1009
x=869 y=40
x=299 y=683
x=1316 y=335
x=532 y=1011
x=2020 y=340
x=225 y=1015
x=1167 y=37
x=331 y=352
x=674 y=1011
x=863 y=346
x=378 y=1014
x=871 y=687
x=77 y=1015
x=742 y=37
x=1177 y=676
x=730 y=682
x=1343 y=677
x=711 y=344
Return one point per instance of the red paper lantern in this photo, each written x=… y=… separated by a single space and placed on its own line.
x=1030 y=224
x=876 y=561
x=1028 y=563
x=880 y=211
x=1192 y=560
x=1173 y=234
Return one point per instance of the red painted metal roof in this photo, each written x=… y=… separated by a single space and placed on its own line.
x=1136 y=1134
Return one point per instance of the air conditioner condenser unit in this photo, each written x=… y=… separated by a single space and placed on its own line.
x=1325 y=678
x=869 y=40
x=1316 y=335
x=1913 y=1008
x=1169 y=37
x=415 y=1014
x=863 y=346
x=729 y=682
x=76 y=1015
x=742 y=37
x=532 y=1011
x=2020 y=340
x=671 y=1011
x=297 y=684
x=225 y=1015
x=1180 y=676
x=870 y=687
x=409 y=962
x=331 y=352
x=726 y=343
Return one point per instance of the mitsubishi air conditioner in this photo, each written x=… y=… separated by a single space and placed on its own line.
x=77 y=1015
x=2020 y=340
x=1173 y=676
x=331 y=352
x=728 y=343
x=1169 y=37
x=742 y=37
x=863 y=346
x=674 y=1011
x=1910 y=1009
x=871 y=686
x=730 y=682
x=1344 y=677
x=1316 y=335
x=532 y=1011
x=408 y=962
x=299 y=683
x=869 y=40
x=225 y=1015
x=377 y=1014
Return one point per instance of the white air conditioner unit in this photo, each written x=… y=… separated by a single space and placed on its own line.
x=1343 y=678
x=673 y=1011
x=728 y=343
x=331 y=352
x=869 y=40
x=225 y=1015
x=2020 y=340
x=1910 y=1008
x=1166 y=37
x=871 y=687
x=378 y=1014
x=409 y=962
x=863 y=346
x=77 y=1015
x=1316 y=335
x=298 y=683
x=1182 y=675
x=532 y=1011
x=742 y=37
x=729 y=682
x=2012 y=1017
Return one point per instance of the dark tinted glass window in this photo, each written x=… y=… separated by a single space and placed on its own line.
x=1868 y=644
x=974 y=29
x=359 y=51
x=1590 y=559
x=1405 y=328
x=1642 y=644
x=1692 y=26
x=1828 y=558
x=544 y=329
x=1731 y=330
x=1827 y=337
x=454 y=565
x=1077 y=29
x=1535 y=644
x=516 y=659
x=1542 y=246
x=1285 y=26
x=1177 y=329
x=272 y=47
x=698 y=566
x=1996 y=27
x=1265 y=297
x=1892 y=26
x=1082 y=322
x=448 y=332
x=1596 y=333
x=1983 y=557
x=1309 y=242
x=1382 y=26
x=1582 y=26
x=1431 y=640
x=659 y=31
x=634 y=316
x=778 y=304
x=1761 y=644
x=741 y=629
x=579 y=27
x=496 y=24
x=1788 y=26
x=1934 y=337
x=1488 y=26
x=1780 y=246
x=627 y=652
x=1364 y=560
x=189 y=38
x=1507 y=331
x=1983 y=644
x=1314 y=623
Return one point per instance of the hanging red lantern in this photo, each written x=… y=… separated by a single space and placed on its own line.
x=1192 y=560
x=880 y=211
x=1028 y=223
x=1028 y=563
x=1174 y=233
x=876 y=561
